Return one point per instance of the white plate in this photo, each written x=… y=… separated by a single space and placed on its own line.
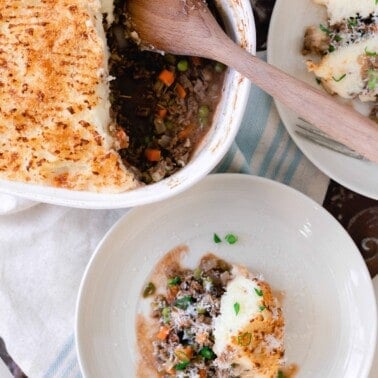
x=287 y=27
x=329 y=306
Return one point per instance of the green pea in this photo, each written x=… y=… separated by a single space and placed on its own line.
x=203 y=111
x=219 y=67
x=197 y=274
x=182 y=365
x=166 y=313
x=231 y=238
x=207 y=353
x=183 y=65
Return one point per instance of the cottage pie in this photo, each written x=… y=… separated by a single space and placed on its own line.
x=82 y=108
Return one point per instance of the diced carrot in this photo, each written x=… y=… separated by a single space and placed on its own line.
x=167 y=77
x=152 y=154
x=173 y=290
x=202 y=373
x=162 y=113
x=189 y=351
x=180 y=90
x=185 y=133
x=196 y=60
x=163 y=333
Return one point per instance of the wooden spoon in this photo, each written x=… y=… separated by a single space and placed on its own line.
x=187 y=27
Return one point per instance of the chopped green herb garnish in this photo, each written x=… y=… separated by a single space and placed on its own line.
x=259 y=292
x=231 y=238
x=352 y=22
x=236 y=308
x=245 y=339
x=174 y=281
x=280 y=374
x=183 y=302
x=217 y=239
x=324 y=29
x=166 y=313
x=372 y=79
x=262 y=308
x=370 y=53
x=331 y=48
x=182 y=365
x=207 y=353
x=148 y=290
x=338 y=38
x=340 y=78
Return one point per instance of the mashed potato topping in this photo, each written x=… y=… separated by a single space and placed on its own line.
x=344 y=49
x=55 y=123
x=251 y=337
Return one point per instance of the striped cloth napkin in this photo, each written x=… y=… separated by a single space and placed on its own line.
x=45 y=248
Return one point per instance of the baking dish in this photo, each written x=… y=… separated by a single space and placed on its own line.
x=238 y=19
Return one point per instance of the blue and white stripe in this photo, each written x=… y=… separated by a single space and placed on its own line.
x=65 y=364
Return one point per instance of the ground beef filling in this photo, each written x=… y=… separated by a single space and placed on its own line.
x=164 y=103
x=185 y=340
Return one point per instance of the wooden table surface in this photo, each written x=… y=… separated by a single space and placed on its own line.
x=356 y=213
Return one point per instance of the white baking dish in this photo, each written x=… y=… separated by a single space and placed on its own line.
x=239 y=22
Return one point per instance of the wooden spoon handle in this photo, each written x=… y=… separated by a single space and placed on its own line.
x=341 y=122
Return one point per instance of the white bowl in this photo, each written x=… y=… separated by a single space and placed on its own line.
x=239 y=22
x=301 y=250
